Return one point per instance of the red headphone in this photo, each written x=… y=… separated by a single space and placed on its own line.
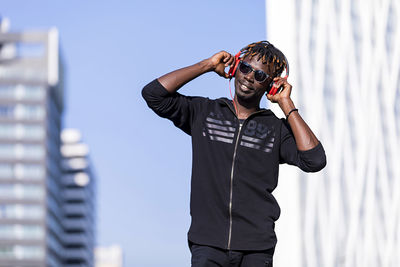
x=232 y=70
x=271 y=89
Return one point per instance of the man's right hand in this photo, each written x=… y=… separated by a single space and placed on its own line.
x=220 y=61
x=176 y=79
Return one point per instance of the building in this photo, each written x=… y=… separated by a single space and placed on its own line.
x=344 y=58
x=31 y=104
x=111 y=256
x=78 y=198
x=41 y=200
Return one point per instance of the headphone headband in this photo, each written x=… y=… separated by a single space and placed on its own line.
x=232 y=70
x=286 y=68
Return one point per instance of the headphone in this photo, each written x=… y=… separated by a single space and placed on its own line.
x=271 y=88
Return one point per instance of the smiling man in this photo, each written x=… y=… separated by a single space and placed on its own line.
x=237 y=148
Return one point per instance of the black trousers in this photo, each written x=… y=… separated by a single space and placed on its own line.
x=205 y=256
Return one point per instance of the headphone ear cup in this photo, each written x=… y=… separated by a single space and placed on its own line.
x=270 y=86
x=232 y=70
x=235 y=67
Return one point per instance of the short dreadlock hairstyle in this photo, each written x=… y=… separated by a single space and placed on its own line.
x=268 y=54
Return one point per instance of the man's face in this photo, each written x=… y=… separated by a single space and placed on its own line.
x=247 y=88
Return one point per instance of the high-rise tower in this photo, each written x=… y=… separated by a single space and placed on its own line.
x=78 y=200
x=345 y=70
x=31 y=104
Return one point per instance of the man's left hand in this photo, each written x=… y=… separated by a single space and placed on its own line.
x=282 y=96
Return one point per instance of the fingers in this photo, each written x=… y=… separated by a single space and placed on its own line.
x=225 y=60
x=220 y=61
x=279 y=81
x=230 y=62
x=271 y=98
x=228 y=59
x=282 y=90
x=282 y=84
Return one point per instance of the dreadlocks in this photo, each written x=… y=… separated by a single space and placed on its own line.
x=268 y=54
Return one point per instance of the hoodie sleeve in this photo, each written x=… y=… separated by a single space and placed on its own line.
x=312 y=160
x=180 y=109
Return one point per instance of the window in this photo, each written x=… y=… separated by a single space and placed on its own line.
x=6 y=111
x=19 y=72
x=29 y=112
x=6 y=170
x=21 y=171
x=21 y=211
x=21 y=151
x=19 y=231
x=32 y=171
x=22 y=92
x=22 y=112
x=22 y=131
x=21 y=191
x=32 y=151
x=29 y=50
x=19 y=252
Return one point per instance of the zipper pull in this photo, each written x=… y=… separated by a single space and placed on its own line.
x=240 y=123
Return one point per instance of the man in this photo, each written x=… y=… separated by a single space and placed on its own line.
x=237 y=149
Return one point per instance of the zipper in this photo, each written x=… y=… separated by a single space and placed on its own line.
x=232 y=170
x=231 y=188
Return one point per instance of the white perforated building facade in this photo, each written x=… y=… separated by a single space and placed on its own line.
x=345 y=70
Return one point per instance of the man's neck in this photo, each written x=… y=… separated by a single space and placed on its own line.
x=245 y=109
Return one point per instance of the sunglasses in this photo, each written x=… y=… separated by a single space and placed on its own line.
x=259 y=75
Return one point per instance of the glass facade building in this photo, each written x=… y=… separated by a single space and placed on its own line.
x=78 y=197
x=35 y=227
x=345 y=70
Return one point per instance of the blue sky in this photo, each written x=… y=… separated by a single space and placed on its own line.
x=111 y=49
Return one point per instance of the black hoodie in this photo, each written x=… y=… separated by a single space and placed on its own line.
x=235 y=167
